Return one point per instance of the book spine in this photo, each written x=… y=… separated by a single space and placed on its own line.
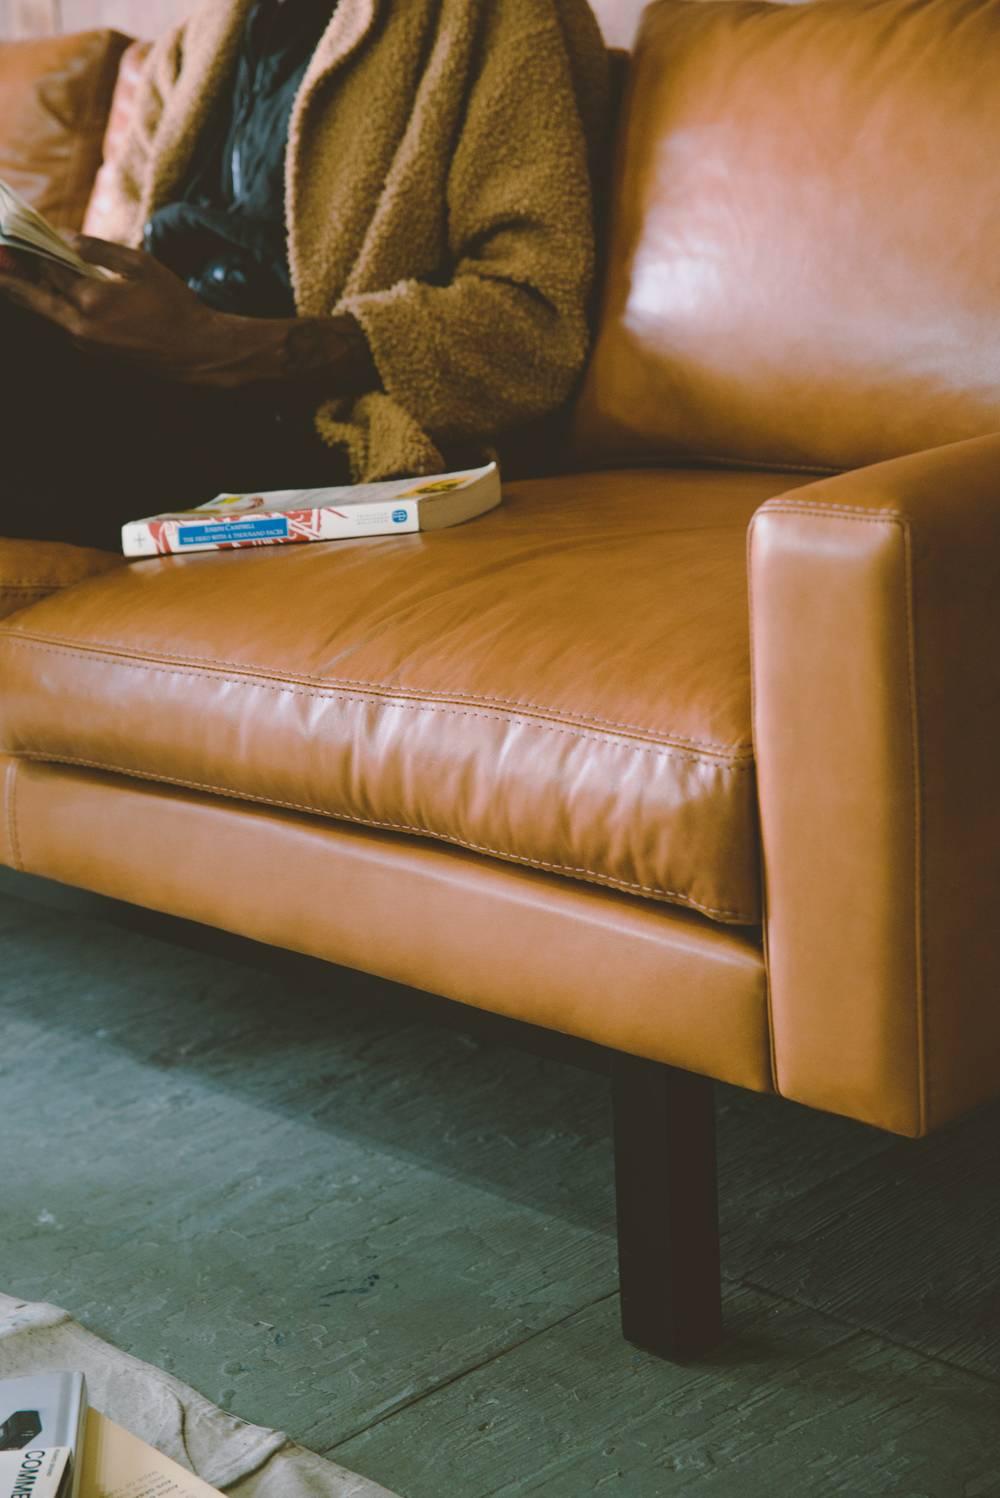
x=163 y=537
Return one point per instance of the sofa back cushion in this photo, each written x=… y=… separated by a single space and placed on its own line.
x=55 y=95
x=805 y=256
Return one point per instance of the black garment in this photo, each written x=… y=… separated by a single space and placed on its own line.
x=225 y=235
x=88 y=445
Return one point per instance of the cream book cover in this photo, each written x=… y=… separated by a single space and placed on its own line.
x=117 y=1464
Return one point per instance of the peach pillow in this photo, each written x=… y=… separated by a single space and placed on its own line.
x=129 y=78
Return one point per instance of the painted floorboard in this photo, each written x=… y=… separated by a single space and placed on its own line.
x=793 y=1404
x=906 y=1244
x=310 y=1230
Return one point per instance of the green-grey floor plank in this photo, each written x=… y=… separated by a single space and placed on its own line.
x=906 y=1244
x=794 y=1403
x=310 y=1227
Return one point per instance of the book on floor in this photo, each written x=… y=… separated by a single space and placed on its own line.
x=232 y=522
x=117 y=1464
x=42 y=1424
x=52 y=1445
x=23 y=231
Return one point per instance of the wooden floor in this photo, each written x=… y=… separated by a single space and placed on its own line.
x=396 y=1242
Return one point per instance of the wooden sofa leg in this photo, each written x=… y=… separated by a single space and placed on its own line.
x=668 y=1215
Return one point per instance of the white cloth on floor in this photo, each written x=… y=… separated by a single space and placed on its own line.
x=248 y=1461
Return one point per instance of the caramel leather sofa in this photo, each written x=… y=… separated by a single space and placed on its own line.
x=690 y=750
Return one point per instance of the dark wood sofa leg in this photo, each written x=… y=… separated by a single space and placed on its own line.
x=668 y=1215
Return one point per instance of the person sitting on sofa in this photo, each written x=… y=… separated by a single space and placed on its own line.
x=353 y=239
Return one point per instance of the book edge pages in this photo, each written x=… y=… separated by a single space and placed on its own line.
x=440 y=511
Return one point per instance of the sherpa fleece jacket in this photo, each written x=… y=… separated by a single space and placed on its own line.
x=438 y=187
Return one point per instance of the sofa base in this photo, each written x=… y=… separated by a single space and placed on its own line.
x=542 y=947
x=628 y=974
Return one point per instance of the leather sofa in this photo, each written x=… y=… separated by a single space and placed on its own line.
x=689 y=749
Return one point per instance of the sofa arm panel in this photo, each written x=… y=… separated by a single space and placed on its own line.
x=875 y=603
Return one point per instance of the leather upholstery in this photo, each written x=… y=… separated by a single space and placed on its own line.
x=628 y=973
x=803 y=267
x=563 y=683
x=54 y=100
x=876 y=614
x=130 y=73
x=31 y=570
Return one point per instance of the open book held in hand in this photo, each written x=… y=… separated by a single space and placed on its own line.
x=236 y=521
x=26 y=232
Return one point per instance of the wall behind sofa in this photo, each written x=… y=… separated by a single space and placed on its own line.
x=19 y=18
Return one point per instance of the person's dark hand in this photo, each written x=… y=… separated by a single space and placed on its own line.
x=146 y=316
x=142 y=314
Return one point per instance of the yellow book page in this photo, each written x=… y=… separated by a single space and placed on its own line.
x=117 y=1464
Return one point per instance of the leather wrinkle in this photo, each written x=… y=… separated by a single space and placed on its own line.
x=589 y=875
x=724 y=762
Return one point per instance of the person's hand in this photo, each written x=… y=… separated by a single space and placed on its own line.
x=142 y=315
x=146 y=316
x=14 y=263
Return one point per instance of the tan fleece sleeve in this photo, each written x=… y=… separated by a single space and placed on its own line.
x=127 y=181
x=504 y=339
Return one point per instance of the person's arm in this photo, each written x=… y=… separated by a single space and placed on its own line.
x=502 y=340
x=148 y=317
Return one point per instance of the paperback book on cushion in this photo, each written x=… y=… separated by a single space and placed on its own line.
x=233 y=522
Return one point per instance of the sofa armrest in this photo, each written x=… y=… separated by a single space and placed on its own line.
x=875 y=606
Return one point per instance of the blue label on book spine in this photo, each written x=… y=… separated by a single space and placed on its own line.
x=232 y=530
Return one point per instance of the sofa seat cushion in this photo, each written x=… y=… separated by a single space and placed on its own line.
x=564 y=683
x=31 y=570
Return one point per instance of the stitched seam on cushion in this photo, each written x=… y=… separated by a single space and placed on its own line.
x=818 y=506
x=124 y=662
x=196 y=785
x=768 y=996
x=924 y=1101
x=31 y=584
x=192 y=662
x=12 y=832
